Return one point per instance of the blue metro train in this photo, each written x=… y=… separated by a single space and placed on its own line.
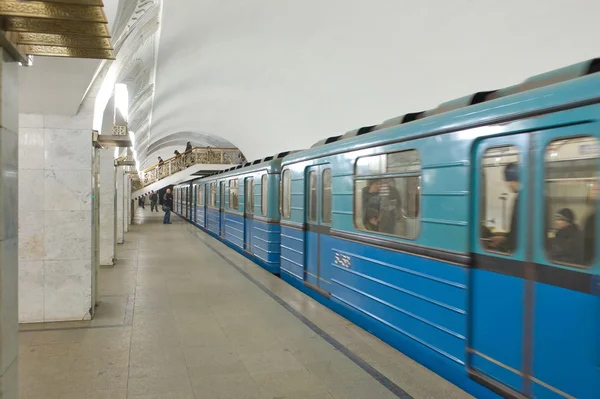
x=464 y=236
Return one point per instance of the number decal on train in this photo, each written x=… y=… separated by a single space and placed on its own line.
x=342 y=260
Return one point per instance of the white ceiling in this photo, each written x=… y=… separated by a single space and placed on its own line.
x=57 y=85
x=272 y=75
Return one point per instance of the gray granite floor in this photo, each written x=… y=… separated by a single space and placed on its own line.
x=177 y=321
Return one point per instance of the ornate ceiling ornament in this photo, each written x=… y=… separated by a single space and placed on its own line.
x=55 y=28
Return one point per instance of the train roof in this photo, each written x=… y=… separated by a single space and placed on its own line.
x=486 y=107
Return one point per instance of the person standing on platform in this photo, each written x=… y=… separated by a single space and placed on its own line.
x=153 y=201
x=167 y=206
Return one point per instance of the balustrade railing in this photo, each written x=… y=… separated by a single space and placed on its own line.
x=198 y=155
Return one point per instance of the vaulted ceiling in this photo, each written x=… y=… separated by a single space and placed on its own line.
x=271 y=75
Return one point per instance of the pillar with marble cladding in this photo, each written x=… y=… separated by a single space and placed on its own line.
x=120 y=207
x=55 y=217
x=9 y=119
x=107 y=206
x=126 y=204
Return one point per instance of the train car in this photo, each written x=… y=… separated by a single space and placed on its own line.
x=448 y=233
x=240 y=207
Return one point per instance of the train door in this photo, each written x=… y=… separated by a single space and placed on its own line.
x=318 y=225
x=248 y=212
x=222 y=209
x=534 y=305
x=500 y=292
x=566 y=306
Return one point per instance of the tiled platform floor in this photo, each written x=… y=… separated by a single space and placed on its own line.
x=177 y=321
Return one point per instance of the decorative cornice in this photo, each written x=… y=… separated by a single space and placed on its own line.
x=49 y=39
x=20 y=24
x=50 y=10
x=71 y=52
x=57 y=28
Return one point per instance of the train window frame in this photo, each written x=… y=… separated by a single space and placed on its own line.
x=264 y=194
x=327 y=194
x=360 y=177
x=286 y=195
x=594 y=181
x=483 y=195
x=233 y=194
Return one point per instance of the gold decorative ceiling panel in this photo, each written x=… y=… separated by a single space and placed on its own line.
x=55 y=28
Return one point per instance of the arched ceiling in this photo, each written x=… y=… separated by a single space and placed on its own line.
x=272 y=75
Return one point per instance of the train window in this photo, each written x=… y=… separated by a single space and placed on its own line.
x=213 y=194
x=200 y=195
x=312 y=196
x=326 y=200
x=499 y=199
x=571 y=193
x=233 y=194
x=249 y=195
x=387 y=192
x=264 y=194
x=286 y=193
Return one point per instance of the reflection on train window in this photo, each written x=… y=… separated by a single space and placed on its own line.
x=326 y=200
x=264 y=197
x=213 y=195
x=233 y=194
x=312 y=196
x=286 y=193
x=571 y=188
x=500 y=185
x=387 y=193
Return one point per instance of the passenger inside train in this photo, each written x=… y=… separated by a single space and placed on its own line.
x=381 y=204
x=567 y=245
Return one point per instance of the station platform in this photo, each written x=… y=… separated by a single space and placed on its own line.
x=183 y=316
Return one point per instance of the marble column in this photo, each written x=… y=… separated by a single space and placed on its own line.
x=120 y=207
x=9 y=263
x=126 y=204
x=55 y=217
x=107 y=206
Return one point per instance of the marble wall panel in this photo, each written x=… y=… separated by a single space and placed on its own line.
x=68 y=290
x=67 y=235
x=120 y=196
x=31 y=148
x=68 y=190
x=31 y=291
x=68 y=149
x=55 y=203
x=31 y=190
x=31 y=235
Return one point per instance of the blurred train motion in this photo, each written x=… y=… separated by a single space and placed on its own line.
x=464 y=236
